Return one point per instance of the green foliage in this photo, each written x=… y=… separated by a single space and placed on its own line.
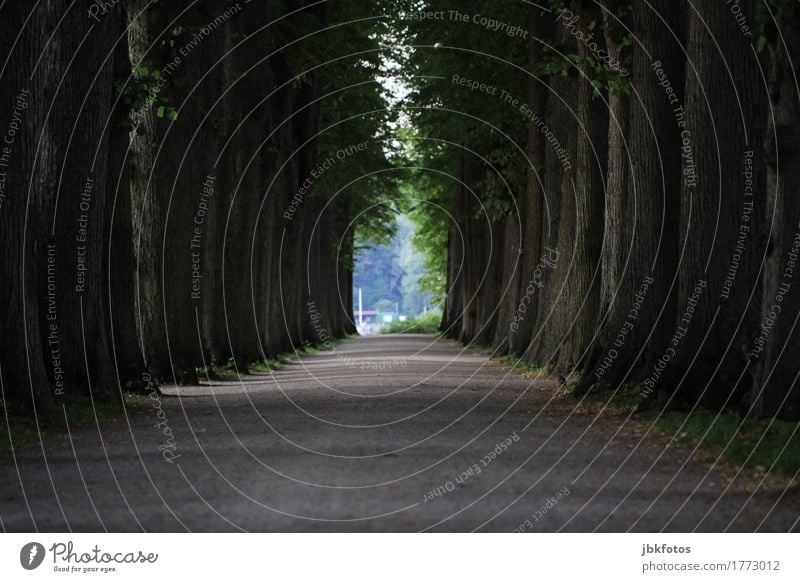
x=426 y=323
x=379 y=275
x=141 y=90
x=448 y=115
x=602 y=76
x=355 y=109
x=432 y=227
x=442 y=117
x=771 y=16
x=392 y=272
x=415 y=299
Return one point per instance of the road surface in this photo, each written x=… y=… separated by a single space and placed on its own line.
x=386 y=433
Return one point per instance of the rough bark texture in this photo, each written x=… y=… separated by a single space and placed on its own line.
x=718 y=303
x=525 y=306
x=642 y=209
x=558 y=207
x=775 y=391
x=24 y=360
x=568 y=300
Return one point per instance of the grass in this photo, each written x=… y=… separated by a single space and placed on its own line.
x=426 y=323
x=765 y=447
x=523 y=367
x=227 y=370
x=756 y=448
x=80 y=412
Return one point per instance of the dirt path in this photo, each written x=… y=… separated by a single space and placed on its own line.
x=383 y=433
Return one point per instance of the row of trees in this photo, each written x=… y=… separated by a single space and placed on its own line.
x=179 y=185
x=616 y=181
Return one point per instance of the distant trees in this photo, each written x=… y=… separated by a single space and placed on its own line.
x=379 y=276
x=392 y=272
x=651 y=163
x=181 y=186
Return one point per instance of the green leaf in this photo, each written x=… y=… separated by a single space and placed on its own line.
x=160 y=112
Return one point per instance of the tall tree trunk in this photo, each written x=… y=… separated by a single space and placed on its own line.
x=641 y=216
x=173 y=184
x=488 y=294
x=582 y=295
x=473 y=266
x=510 y=262
x=453 y=307
x=718 y=303
x=557 y=209
x=278 y=217
x=776 y=391
x=25 y=94
x=122 y=267
x=526 y=296
x=82 y=52
x=244 y=178
x=572 y=288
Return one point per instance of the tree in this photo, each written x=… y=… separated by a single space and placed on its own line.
x=640 y=256
x=775 y=390
x=722 y=205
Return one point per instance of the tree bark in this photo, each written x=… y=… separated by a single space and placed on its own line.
x=718 y=303
x=641 y=216
x=569 y=300
x=26 y=360
x=775 y=391
x=526 y=297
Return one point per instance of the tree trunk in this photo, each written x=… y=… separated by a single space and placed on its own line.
x=570 y=282
x=80 y=210
x=641 y=216
x=774 y=347
x=510 y=260
x=526 y=295
x=718 y=303
x=26 y=358
x=581 y=296
x=121 y=257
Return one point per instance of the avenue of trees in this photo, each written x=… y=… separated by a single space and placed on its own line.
x=617 y=181
x=603 y=188
x=182 y=183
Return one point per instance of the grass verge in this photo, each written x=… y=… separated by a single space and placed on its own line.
x=763 y=449
x=80 y=413
x=228 y=371
x=757 y=449
x=522 y=367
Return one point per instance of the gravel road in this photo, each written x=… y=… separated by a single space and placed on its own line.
x=384 y=433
